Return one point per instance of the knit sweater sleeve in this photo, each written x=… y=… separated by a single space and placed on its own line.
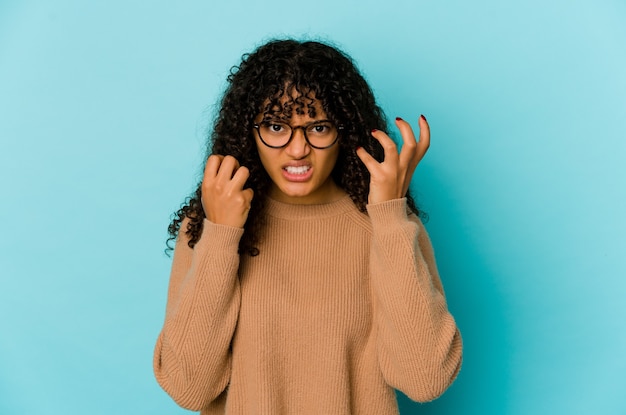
x=192 y=358
x=419 y=344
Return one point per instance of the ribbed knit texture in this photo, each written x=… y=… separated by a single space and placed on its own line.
x=338 y=309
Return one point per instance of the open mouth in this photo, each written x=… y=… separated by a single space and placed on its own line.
x=297 y=170
x=300 y=173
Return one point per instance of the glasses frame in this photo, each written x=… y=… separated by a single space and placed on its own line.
x=303 y=128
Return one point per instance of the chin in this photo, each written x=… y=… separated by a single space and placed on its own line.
x=297 y=193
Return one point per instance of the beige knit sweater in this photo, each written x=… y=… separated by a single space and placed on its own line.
x=338 y=309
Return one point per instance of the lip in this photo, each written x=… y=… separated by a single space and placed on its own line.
x=292 y=177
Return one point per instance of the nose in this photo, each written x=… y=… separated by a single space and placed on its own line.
x=298 y=147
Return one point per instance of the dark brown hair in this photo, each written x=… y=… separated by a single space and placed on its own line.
x=316 y=71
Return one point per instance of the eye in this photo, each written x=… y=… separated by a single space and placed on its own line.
x=274 y=127
x=320 y=129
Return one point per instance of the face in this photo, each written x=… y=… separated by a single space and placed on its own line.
x=300 y=173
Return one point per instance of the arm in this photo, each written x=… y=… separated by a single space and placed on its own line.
x=419 y=345
x=192 y=359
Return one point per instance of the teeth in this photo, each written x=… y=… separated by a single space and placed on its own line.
x=297 y=170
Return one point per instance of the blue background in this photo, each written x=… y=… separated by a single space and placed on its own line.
x=104 y=108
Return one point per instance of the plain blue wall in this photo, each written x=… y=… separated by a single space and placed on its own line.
x=103 y=111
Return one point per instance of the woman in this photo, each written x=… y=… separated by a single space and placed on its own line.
x=303 y=281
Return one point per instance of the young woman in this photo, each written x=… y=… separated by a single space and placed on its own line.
x=303 y=281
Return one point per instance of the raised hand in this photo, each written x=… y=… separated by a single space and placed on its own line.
x=224 y=199
x=390 y=179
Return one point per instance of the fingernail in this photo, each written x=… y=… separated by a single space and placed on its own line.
x=374 y=130
x=423 y=117
x=399 y=119
x=358 y=148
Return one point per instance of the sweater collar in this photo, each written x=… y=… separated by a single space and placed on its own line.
x=282 y=210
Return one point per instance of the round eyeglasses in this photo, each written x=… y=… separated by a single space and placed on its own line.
x=318 y=134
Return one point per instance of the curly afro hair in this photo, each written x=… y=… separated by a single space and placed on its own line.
x=259 y=85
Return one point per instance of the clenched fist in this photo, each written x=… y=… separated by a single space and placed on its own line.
x=224 y=199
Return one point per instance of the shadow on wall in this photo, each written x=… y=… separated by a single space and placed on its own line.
x=478 y=307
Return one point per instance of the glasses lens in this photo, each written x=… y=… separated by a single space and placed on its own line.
x=275 y=134
x=321 y=134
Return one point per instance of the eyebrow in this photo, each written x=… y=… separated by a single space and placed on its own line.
x=325 y=120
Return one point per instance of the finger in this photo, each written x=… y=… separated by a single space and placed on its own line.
x=227 y=169
x=409 y=144
x=248 y=194
x=212 y=165
x=424 y=139
x=389 y=146
x=240 y=177
x=367 y=159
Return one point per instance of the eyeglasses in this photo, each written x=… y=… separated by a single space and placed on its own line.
x=318 y=134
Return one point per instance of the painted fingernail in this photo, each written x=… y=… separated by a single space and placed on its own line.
x=423 y=117
x=374 y=130
x=358 y=148
x=399 y=119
